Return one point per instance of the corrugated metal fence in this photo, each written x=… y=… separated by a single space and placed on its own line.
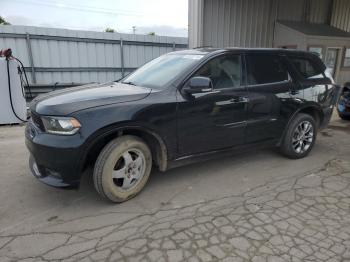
x=74 y=57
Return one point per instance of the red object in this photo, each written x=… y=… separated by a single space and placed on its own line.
x=6 y=52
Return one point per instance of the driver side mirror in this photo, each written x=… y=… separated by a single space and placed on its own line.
x=199 y=84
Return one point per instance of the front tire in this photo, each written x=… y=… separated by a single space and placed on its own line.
x=300 y=137
x=122 y=169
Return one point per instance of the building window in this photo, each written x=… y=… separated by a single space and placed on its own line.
x=316 y=50
x=347 y=58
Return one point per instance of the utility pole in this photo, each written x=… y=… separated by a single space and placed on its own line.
x=134 y=29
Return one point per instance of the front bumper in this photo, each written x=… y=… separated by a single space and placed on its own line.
x=54 y=160
x=50 y=179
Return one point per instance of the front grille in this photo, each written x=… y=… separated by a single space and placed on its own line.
x=37 y=121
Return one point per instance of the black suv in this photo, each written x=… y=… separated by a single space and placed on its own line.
x=179 y=108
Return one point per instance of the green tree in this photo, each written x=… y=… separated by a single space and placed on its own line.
x=151 y=33
x=109 y=30
x=3 y=21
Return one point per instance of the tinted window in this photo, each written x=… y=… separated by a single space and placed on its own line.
x=264 y=69
x=306 y=67
x=224 y=71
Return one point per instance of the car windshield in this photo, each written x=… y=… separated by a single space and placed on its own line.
x=162 y=70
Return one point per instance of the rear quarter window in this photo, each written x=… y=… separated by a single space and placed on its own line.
x=307 y=67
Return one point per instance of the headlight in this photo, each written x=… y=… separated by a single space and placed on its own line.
x=61 y=125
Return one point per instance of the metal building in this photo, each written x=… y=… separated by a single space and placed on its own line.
x=258 y=23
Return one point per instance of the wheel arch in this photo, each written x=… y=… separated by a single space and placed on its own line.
x=152 y=139
x=313 y=110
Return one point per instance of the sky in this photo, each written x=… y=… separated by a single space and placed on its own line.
x=164 y=17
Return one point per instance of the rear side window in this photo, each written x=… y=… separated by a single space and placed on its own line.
x=306 y=67
x=265 y=69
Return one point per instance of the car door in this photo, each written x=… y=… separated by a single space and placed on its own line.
x=269 y=85
x=215 y=119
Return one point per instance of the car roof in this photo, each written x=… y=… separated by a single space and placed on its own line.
x=209 y=50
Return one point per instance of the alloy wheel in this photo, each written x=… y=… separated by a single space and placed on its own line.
x=303 y=137
x=129 y=169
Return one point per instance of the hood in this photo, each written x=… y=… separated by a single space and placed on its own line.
x=69 y=100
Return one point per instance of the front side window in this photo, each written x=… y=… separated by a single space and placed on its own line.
x=265 y=69
x=347 y=58
x=224 y=71
x=306 y=68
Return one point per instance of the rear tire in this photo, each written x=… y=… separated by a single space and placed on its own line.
x=122 y=169
x=300 y=137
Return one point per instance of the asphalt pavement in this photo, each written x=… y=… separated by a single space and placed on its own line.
x=253 y=206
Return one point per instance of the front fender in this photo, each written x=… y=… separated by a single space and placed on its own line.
x=102 y=136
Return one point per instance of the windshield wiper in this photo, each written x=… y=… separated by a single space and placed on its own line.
x=129 y=83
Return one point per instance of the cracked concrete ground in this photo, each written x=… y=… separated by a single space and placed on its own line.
x=254 y=206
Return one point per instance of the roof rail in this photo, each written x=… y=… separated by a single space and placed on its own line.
x=208 y=46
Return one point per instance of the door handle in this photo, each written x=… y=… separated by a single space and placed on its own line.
x=239 y=99
x=294 y=92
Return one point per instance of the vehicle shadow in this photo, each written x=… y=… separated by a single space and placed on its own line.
x=182 y=186
x=221 y=171
x=175 y=178
x=218 y=175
